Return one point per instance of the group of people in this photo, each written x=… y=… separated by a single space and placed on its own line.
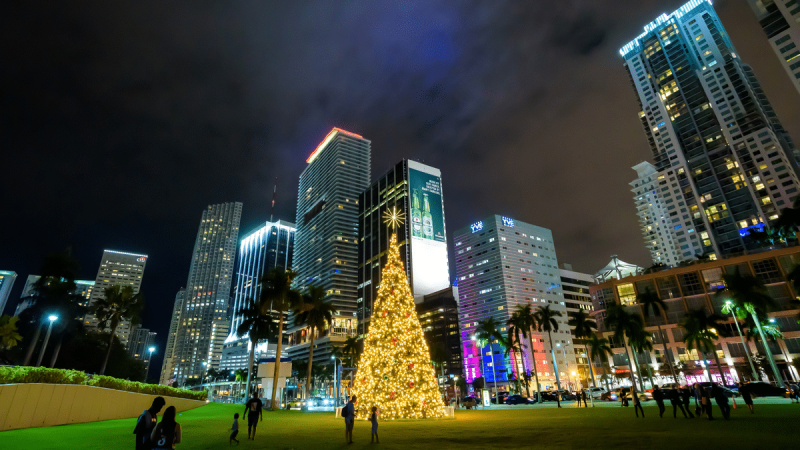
x=154 y=435
x=680 y=398
x=349 y=413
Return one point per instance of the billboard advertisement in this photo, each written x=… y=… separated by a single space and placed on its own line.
x=429 y=271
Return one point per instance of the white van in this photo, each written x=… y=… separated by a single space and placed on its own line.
x=596 y=392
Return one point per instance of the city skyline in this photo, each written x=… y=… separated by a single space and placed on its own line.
x=469 y=196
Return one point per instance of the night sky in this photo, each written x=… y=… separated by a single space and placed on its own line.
x=122 y=121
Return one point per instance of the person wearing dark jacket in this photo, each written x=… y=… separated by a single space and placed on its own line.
x=658 y=396
x=676 y=401
x=722 y=401
x=744 y=390
x=686 y=397
x=147 y=421
x=705 y=400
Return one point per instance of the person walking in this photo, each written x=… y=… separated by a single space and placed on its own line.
x=234 y=430
x=722 y=401
x=578 y=399
x=686 y=398
x=676 y=402
x=658 y=396
x=637 y=406
x=168 y=432
x=705 y=400
x=147 y=421
x=349 y=414
x=583 y=395
x=748 y=399
x=374 y=419
x=254 y=409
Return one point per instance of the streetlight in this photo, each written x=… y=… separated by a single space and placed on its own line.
x=52 y=318
x=147 y=371
x=729 y=307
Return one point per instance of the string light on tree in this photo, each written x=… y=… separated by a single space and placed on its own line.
x=395 y=372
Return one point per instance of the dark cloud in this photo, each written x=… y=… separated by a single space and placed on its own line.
x=120 y=122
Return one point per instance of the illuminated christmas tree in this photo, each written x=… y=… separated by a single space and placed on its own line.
x=395 y=372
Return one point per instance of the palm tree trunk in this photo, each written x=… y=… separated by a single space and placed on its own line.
x=310 y=360
x=535 y=370
x=667 y=354
x=250 y=367
x=778 y=378
x=494 y=375
x=108 y=352
x=32 y=345
x=274 y=405
x=719 y=366
x=522 y=354
x=744 y=347
x=633 y=380
x=555 y=363
x=56 y=349
x=707 y=366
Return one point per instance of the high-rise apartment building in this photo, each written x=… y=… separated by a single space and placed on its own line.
x=415 y=189
x=704 y=112
x=116 y=269
x=140 y=342
x=204 y=319
x=269 y=247
x=578 y=299
x=6 y=282
x=780 y=20
x=83 y=288
x=502 y=263
x=326 y=247
x=168 y=365
x=438 y=316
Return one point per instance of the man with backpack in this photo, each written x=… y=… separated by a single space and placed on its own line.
x=147 y=421
x=349 y=414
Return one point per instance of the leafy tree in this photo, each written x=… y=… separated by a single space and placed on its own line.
x=478 y=383
x=546 y=319
x=277 y=295
x=315 y=313
x=9 y=338
x=256 y=325
x=650 y=301
x=118 y=303
x=485 y=334
x=748 y=295
x=701 y=332
x=625 y=325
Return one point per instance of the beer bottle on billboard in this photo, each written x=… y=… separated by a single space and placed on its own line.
x=416 y=216
x=427 y=220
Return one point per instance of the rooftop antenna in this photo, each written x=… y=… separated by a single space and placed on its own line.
x=274 y=189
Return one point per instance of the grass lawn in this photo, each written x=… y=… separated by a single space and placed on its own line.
x=773 y=426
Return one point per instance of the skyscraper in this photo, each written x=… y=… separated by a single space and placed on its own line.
x=501 y=263
x=780 y=20
x=140 y=342
x=116 y=269
x=269 y=247
x=415 y=189
x=204 y=320
x=575 y=286
x=326 y=248
x=6 y=282
x=168 y=365
x=704 y=111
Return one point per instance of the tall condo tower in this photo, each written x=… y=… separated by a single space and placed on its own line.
x=168 y=365
x=204 y=321
x=702 y=109
x=415 y=189
x=116 y=269
x=269 y=247
x=780 y=20
x=501 y=263
x=326 y=249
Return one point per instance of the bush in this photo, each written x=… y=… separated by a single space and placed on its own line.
x=9 y=375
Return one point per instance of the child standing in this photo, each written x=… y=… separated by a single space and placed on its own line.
x=374 y=419
x=234 y=430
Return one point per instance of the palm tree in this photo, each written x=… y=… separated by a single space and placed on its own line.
x=512 y=345
x=517 y=325
x=651 y=302
x=701 y=332
x=278 y=296
x=640 y=343
x=527 y=325
x=352 y=351
x=598 y=349
x=737 y=313
x=624 y=325
x=486 y=333
x=546 y=319
x=748 y=293
x=118 y=303
x=256 y=325
x=316 y=314
x=584 y=328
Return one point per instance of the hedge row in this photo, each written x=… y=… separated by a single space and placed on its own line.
x=11 y=375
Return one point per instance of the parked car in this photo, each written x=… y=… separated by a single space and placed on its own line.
x=502 y=395
x=728 y=392
x=764 y=389
x=519 y=400
x=628 y=393
x=596 y=392
x=550 y=396
x=320 y=401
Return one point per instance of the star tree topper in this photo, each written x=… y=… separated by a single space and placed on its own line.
x=394 y=217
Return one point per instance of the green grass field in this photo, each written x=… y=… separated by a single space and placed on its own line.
x=773 y=426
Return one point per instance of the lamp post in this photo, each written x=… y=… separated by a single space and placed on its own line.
x=149 y=358
x=52 y=318
x=729 y=307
